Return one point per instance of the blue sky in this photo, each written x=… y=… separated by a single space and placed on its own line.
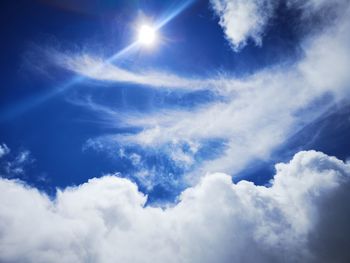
x=229 y=89
x=57 y=130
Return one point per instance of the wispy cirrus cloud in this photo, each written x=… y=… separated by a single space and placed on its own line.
x=14 y=166
x=258 y=112
x=96 y=68
x=4 y=150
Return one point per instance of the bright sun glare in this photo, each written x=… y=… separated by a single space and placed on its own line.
x=147 y=35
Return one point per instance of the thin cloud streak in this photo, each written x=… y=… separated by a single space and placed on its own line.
x=86 y=65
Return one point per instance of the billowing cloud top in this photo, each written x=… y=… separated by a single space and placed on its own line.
x=302 y=217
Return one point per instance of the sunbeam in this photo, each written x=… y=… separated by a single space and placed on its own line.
x=28 y=103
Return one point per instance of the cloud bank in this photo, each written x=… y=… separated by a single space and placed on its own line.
x=302 y=217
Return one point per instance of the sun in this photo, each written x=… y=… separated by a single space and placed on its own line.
x=147 y=35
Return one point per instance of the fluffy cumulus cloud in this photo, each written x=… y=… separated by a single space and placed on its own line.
x=302 y=217
x=242 y=20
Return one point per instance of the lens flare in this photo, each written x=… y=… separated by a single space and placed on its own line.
x=147 y=35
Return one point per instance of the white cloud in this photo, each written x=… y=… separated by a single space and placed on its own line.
x=302 y=217
x=242 y=20
x=15 y=166
x=312 y=6
x=96 y=68
x=259 y=113
x=4 y=150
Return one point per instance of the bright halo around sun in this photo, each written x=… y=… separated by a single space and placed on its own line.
x=147 y=35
